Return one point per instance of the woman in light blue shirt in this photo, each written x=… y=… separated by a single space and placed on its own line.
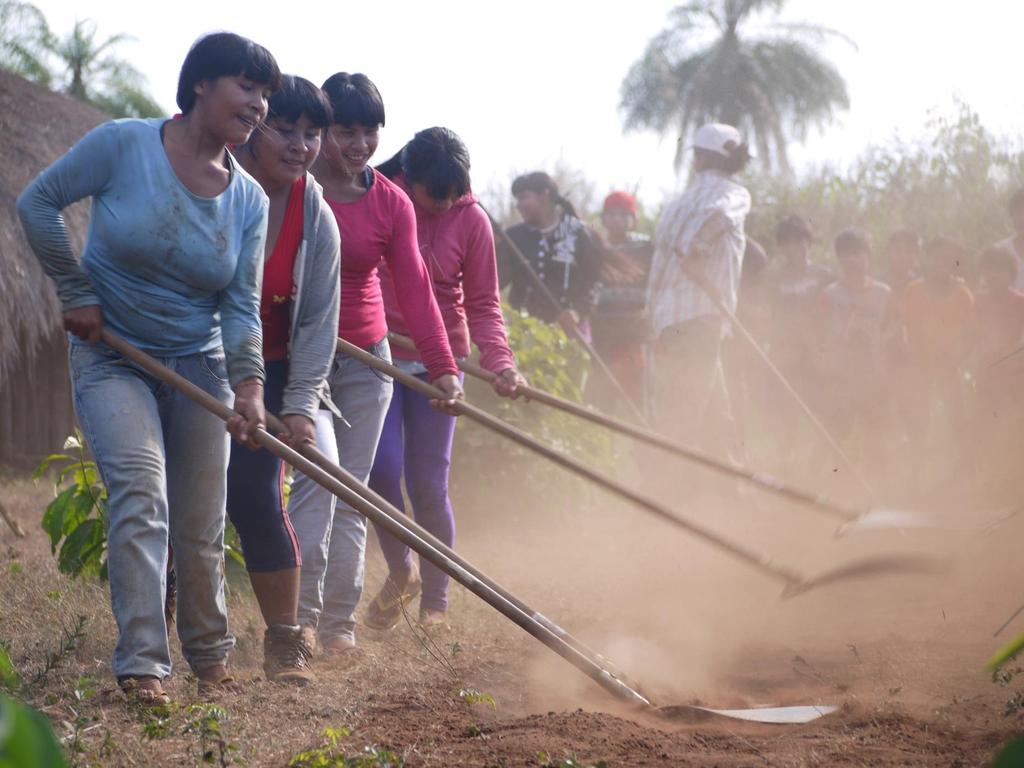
x=172 y=263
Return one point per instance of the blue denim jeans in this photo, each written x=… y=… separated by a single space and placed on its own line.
x=332 y=535
x=163 y=459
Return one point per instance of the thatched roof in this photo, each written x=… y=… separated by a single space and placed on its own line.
x=36 y=127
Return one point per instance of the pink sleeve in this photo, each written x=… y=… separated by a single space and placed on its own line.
x=415 y=292
x=480 y=286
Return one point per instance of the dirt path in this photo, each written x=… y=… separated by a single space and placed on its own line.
x=903 y=660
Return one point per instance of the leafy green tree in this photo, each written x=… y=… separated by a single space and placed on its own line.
x=25 y=40
x=93 y=74
x=713 y=64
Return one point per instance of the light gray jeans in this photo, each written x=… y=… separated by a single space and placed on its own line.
x=164 y=461
x=332 y=535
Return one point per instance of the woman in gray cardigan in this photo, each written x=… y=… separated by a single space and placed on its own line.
x=299 y=312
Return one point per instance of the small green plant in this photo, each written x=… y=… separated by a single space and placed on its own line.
x=84 y=689
x=207 y=722
x=1004 y=674
x=569 y=762
x=1011 y=755
x=26 y=739
x=473 y=696
x=10 y=680
x=70 y=640
x=158 y=722
x=330 y=754
x=76 y=520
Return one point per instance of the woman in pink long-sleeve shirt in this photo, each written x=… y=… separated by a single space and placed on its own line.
x=378 y=228
x=457 y=246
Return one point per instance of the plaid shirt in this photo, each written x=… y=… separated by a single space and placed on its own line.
x=704 y=226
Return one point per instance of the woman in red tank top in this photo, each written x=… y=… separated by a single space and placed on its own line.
x=299 y=312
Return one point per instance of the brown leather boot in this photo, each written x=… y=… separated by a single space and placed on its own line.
x=286 y=655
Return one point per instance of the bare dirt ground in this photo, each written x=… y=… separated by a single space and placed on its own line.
x=901 y=656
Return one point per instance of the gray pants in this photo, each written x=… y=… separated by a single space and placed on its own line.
x=332 y=535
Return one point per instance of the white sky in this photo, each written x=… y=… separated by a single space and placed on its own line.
x=528 y=83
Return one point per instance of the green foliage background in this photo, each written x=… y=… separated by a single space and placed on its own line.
x=955 y=181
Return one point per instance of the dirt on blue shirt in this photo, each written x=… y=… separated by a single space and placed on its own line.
x=174 y=273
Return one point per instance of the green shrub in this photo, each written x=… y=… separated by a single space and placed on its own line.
x=26 y=739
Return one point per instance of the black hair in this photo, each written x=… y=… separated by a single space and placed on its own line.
x=996 y=259
x=224 y=54
x=1016 y=201
x=297 y=97
x=793 y=229
x=852 y=241
x=540 y=182
x=354 y=99
x=738 y=158
x=436 y=158
x=903 y=240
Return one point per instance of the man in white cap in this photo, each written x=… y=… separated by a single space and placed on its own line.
x=699 y=250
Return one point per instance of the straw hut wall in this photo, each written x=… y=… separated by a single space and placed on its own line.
x=36 y=127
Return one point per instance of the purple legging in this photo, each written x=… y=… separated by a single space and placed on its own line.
x=417 y=438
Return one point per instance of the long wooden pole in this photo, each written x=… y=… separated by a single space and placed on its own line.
x=789 y=578
x=712 y=293
x=403 y=529
x=350 y=481
x=762 y=481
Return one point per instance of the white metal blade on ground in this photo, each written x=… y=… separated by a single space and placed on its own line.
x=884 y=518
x=772 y=715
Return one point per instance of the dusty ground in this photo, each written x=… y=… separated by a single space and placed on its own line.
x=902 y=656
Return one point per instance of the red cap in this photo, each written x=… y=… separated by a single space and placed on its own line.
x=621 y=201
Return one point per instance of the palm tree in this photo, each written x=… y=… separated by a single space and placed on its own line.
x=95 y=76
x=705 y=67
x=24 y=41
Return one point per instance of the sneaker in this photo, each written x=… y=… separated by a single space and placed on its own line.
x=385 y=610
x=339 y=652
x=286 y=655
x=434 y=621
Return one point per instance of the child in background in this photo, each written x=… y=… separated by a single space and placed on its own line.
x=902 y=259
x=791 y=291
x=999 y=309
x=938 y=313
x=998 y=372
x=902 y=267
x=854 y=311
x=619 y=322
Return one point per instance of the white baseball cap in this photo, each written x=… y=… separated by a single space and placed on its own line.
x=717 y=137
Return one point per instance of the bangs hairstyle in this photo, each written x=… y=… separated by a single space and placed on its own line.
x=541 y=182
x=436 y=158
x=297 y=97
x=224 y=54
x=354 y=99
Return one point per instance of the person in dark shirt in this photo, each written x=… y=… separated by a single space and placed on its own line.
x=564 y=252
x=619 y=321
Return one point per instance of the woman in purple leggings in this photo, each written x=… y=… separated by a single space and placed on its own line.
x=457 y=244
